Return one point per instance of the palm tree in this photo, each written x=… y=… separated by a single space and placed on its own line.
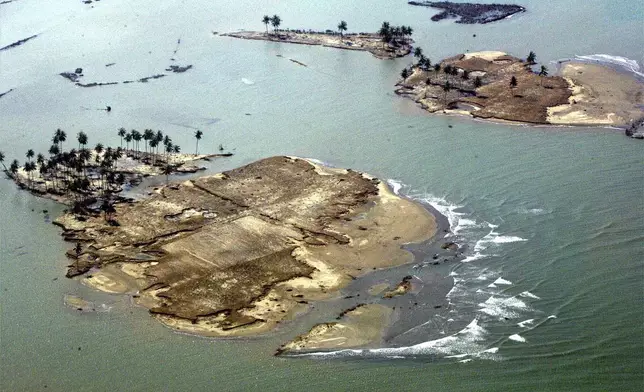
x=128 y=139
x=448 y=71
x=13 y=168
x=167 y=170
x=136 y=135
x=276 y=21
x=122 y=132
x=62 y=136
x=266 y=20
x=198 y=136
x=385 y=33
x=98 y=149
x=168 y=150
x=446 y=88
x=154 y=143
x=176 y=149
x=466 y=75
x=342 y=26
x=148 y=134
x=407 y=30
x=116 y=155
x=30 y=154
x=159 y=139
x=29 y=167
x=543 y=73
x=82 y=139
x=2 y=160
x=418 y=52
x=532 y=57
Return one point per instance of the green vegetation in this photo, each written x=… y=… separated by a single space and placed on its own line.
x=394 y=35
x=342 y=26
x=276 y=21
x=266 y=20
x=88 y=176
x=532 y=58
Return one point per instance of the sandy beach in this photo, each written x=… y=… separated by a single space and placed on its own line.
x=288 y=232
x=600 y=96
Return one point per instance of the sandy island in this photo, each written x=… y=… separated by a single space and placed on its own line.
x=238 y=252
x=367 y=42
x=584 y=94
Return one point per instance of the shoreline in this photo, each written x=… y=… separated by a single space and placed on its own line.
x=357 y=238
x=364 y=42
x=575 y=97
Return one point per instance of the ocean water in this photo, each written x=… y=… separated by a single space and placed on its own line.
x=548 y=297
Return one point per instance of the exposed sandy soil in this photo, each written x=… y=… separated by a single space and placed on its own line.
x=371 y=43
x=358 y=327
x=600 y=95
x=241 y=251
x=585 y=94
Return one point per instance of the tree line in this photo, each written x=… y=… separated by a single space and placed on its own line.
x=84 y=173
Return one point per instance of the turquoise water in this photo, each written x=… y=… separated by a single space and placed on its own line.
x=556 y=212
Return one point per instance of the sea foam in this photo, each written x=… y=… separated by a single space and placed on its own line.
x=517 y=338
x=624 y=62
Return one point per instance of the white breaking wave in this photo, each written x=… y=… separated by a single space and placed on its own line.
x=466 y=342
x=528 y=294
x=517 y=338
x=624 y=62
x=474 y=257
x=395 y=186
x=502 y=281
x=534 y=211
x=504 y=308
x=524 y=323
x=495 y=238
x=468 y=293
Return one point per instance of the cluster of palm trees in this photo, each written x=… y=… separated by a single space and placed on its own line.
x=394 y=35
x=274 y=21
x=71 y=172
x=84 y=174
x=153 y=142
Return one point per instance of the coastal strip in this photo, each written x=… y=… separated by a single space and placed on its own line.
x=496 y=86
x=239 y=252
x=367 y=42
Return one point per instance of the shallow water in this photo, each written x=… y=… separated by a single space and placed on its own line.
x=551 y=217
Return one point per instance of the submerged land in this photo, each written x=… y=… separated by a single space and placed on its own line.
x=237 y=253
x=495 y=85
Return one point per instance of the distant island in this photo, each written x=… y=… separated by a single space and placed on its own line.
x=470 y=13
x=388 y=43
x=237 y=253
x=495 y=85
